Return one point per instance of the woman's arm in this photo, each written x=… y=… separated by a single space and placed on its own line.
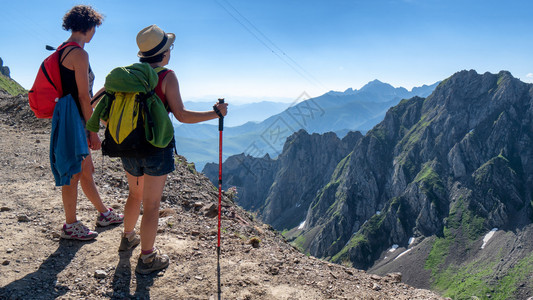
x=97 y=97
x=170 y=87
x=80 y=63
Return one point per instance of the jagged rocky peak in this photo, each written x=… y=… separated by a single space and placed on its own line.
x=280 y=189
x=351 y=138
x=306 y=163
x=475 y=87
x=4 y=70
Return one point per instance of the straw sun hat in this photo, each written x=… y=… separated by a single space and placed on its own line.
x=152 y=41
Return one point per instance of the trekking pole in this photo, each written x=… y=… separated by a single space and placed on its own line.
x=220 y=129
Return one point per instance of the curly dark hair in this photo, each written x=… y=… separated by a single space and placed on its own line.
x=82 y=18
x=153 y=59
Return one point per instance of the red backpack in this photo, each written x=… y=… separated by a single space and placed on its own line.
x=47 y=89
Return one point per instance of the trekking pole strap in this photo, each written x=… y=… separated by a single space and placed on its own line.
x=217 y=111
x=220 y=116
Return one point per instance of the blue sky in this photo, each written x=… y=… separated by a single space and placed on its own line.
x=247 y=50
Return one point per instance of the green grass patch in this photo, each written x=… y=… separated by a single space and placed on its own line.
x=303 y=241
x=291 y=234
x=378 y=132
x=341 y=168
x=334 y=210
x=500 y=79
x=439 y=252
x=429 y=180
x=325 y=190
x=464 y=228
x=343 y=256
x=300 y=242
x=427 y=173
x=482 y=172
x=522 y=272
x=408 y=143
x=10 y=86
x=471 y=224
x=461 y=222
x=445 y=81
x=372 y=226
x=415 y=134
x=367 y=231
x=336 y=179
x=471 y=280
x=465 y=282
x=192 y=168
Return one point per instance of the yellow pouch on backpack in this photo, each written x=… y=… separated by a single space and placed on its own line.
x=123 y=116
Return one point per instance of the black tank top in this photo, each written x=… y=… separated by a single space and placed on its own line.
x=68 y=81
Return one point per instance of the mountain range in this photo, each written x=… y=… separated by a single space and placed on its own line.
x=339 y=112
x=441 y=190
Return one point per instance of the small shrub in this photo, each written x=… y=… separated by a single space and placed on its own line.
x=255 y=241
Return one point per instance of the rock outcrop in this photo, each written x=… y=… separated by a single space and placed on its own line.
x=280 y=190
x=4 y=70
x=8 y=86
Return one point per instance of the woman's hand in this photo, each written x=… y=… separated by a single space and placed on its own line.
x=223 y=108
x=94 y=141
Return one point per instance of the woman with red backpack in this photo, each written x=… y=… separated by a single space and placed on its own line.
x=77 y=79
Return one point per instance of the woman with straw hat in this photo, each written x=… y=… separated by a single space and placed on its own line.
x=147 y=176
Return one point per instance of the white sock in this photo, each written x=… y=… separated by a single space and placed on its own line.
x=70 y=225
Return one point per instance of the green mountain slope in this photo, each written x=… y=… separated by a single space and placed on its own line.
x=10 y=86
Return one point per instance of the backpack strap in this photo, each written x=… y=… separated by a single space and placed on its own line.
x=65 y=56
x=161 y=73
x=159 y=70
x=141 y=98
x=62 y=47
x=99 y=96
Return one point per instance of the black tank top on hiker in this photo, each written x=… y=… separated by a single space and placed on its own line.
x=68 y=81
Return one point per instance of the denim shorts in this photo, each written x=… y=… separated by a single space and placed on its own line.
x=157 y=164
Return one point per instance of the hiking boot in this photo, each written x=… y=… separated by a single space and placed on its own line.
x=77 y=231
x=111 y=218
x=127 y=243
x=151 y=262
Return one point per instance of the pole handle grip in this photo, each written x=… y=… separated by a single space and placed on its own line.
x=221 y=119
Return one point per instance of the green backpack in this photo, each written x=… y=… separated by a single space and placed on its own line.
x=137 y=121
